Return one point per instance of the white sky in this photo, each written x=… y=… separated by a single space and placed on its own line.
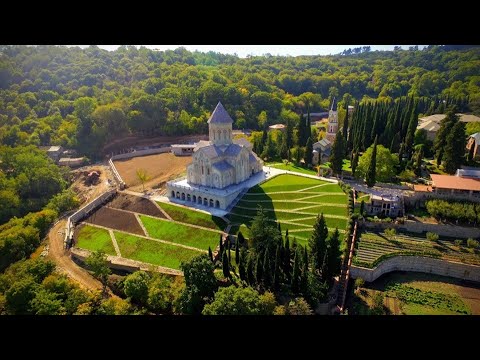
x=244 y=50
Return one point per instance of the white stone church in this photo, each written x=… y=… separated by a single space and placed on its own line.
x=220 y=168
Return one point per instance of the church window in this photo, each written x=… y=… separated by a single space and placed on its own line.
x=208 y=171
x=202 y=169
x=225 y=134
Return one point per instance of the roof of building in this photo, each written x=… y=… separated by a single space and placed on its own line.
x=220 y=116
x=184 y=146
x=242 y=142
x=211 y=151
x=390 y=198
x=422 y=188
x=476 y=136
x=429 y=125
x=324 y=144
x=439 y=117
x=200 y=144
x=455 y=182
x=222 y=166
x=253 y=157
x=277 y=127
x=54 y=148
x=334 y=105
x=232 y=150
x=469 y=173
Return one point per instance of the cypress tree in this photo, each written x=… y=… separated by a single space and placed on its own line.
x=337 y=154
x=229 y=253
x=362 y=207
x=276 y=268
x=354 y=162
x=301 y=131
x=237 y=250
x=250 y=270
x=372 y=167
x=210 y=254
x=289 y=134
x=304 y=276
x=446 y=126
x=317 y=243
x=418 y=162
x=308 y=127
x=412 y=126
x=309 y=152
x=221 y=247
x=241 y=265
x=225 y=266
x=394 y=145
x=345 y=129
x=286 y=259
x=296 y=273
x=333 y=260
x=455 y=148
x=241 y=238
x=471 y=151
x=259 y=270
x=267 y=271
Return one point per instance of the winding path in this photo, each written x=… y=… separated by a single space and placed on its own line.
x=61 y=257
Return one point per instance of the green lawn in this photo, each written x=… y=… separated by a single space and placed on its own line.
x=292 y=167
x=286 y=183
x=181 y=234
x=93 y=239
x=286 y=201
x=182 y=214
x=153 y=252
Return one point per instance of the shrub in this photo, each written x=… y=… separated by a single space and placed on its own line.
x=473 y=244
x=432 y=236
x=390 y=233
x=359 y=283
x=458 y=242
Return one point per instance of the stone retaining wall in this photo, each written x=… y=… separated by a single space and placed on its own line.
x=83 y=212
x=418 y=264
x=123 y=264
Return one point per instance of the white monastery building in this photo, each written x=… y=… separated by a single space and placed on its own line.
x=220 y=167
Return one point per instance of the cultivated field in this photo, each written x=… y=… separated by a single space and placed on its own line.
x=294 y=202
x=411 y=293
x=160 y=168
x=143 y=233
x=374 y=247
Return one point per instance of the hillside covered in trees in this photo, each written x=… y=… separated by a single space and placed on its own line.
x=82 y=98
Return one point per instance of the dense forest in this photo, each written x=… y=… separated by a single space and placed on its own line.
x=82 y=98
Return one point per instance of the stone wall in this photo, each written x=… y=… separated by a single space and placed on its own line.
x=419 y=227
x=123 y=264
x=418 y=264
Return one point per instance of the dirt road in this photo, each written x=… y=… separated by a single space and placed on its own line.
x=64 y=262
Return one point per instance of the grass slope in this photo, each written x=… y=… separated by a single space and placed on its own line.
x=153 y=252
x=182 y=214
x=93 y=239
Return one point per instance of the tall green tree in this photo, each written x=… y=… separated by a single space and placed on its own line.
x=354 y=162
x=455 y=148
x=259 y=270
x=317 y=243
x=372 y=167
x=446 y=126
x=333 y=260
x=242 y=265
x=295 y=283
x=309 y=152
x=98 y=263
x=226 y=265
x=237 y=250
x=251 y=269
x=276 y=268
x=286 y=260
x=267 y=270
x=337 y=154
x=418 y=161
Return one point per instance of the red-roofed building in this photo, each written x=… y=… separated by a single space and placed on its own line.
x=455 y=185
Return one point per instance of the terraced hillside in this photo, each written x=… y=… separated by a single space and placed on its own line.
x=375 y=247
x=293 y=201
